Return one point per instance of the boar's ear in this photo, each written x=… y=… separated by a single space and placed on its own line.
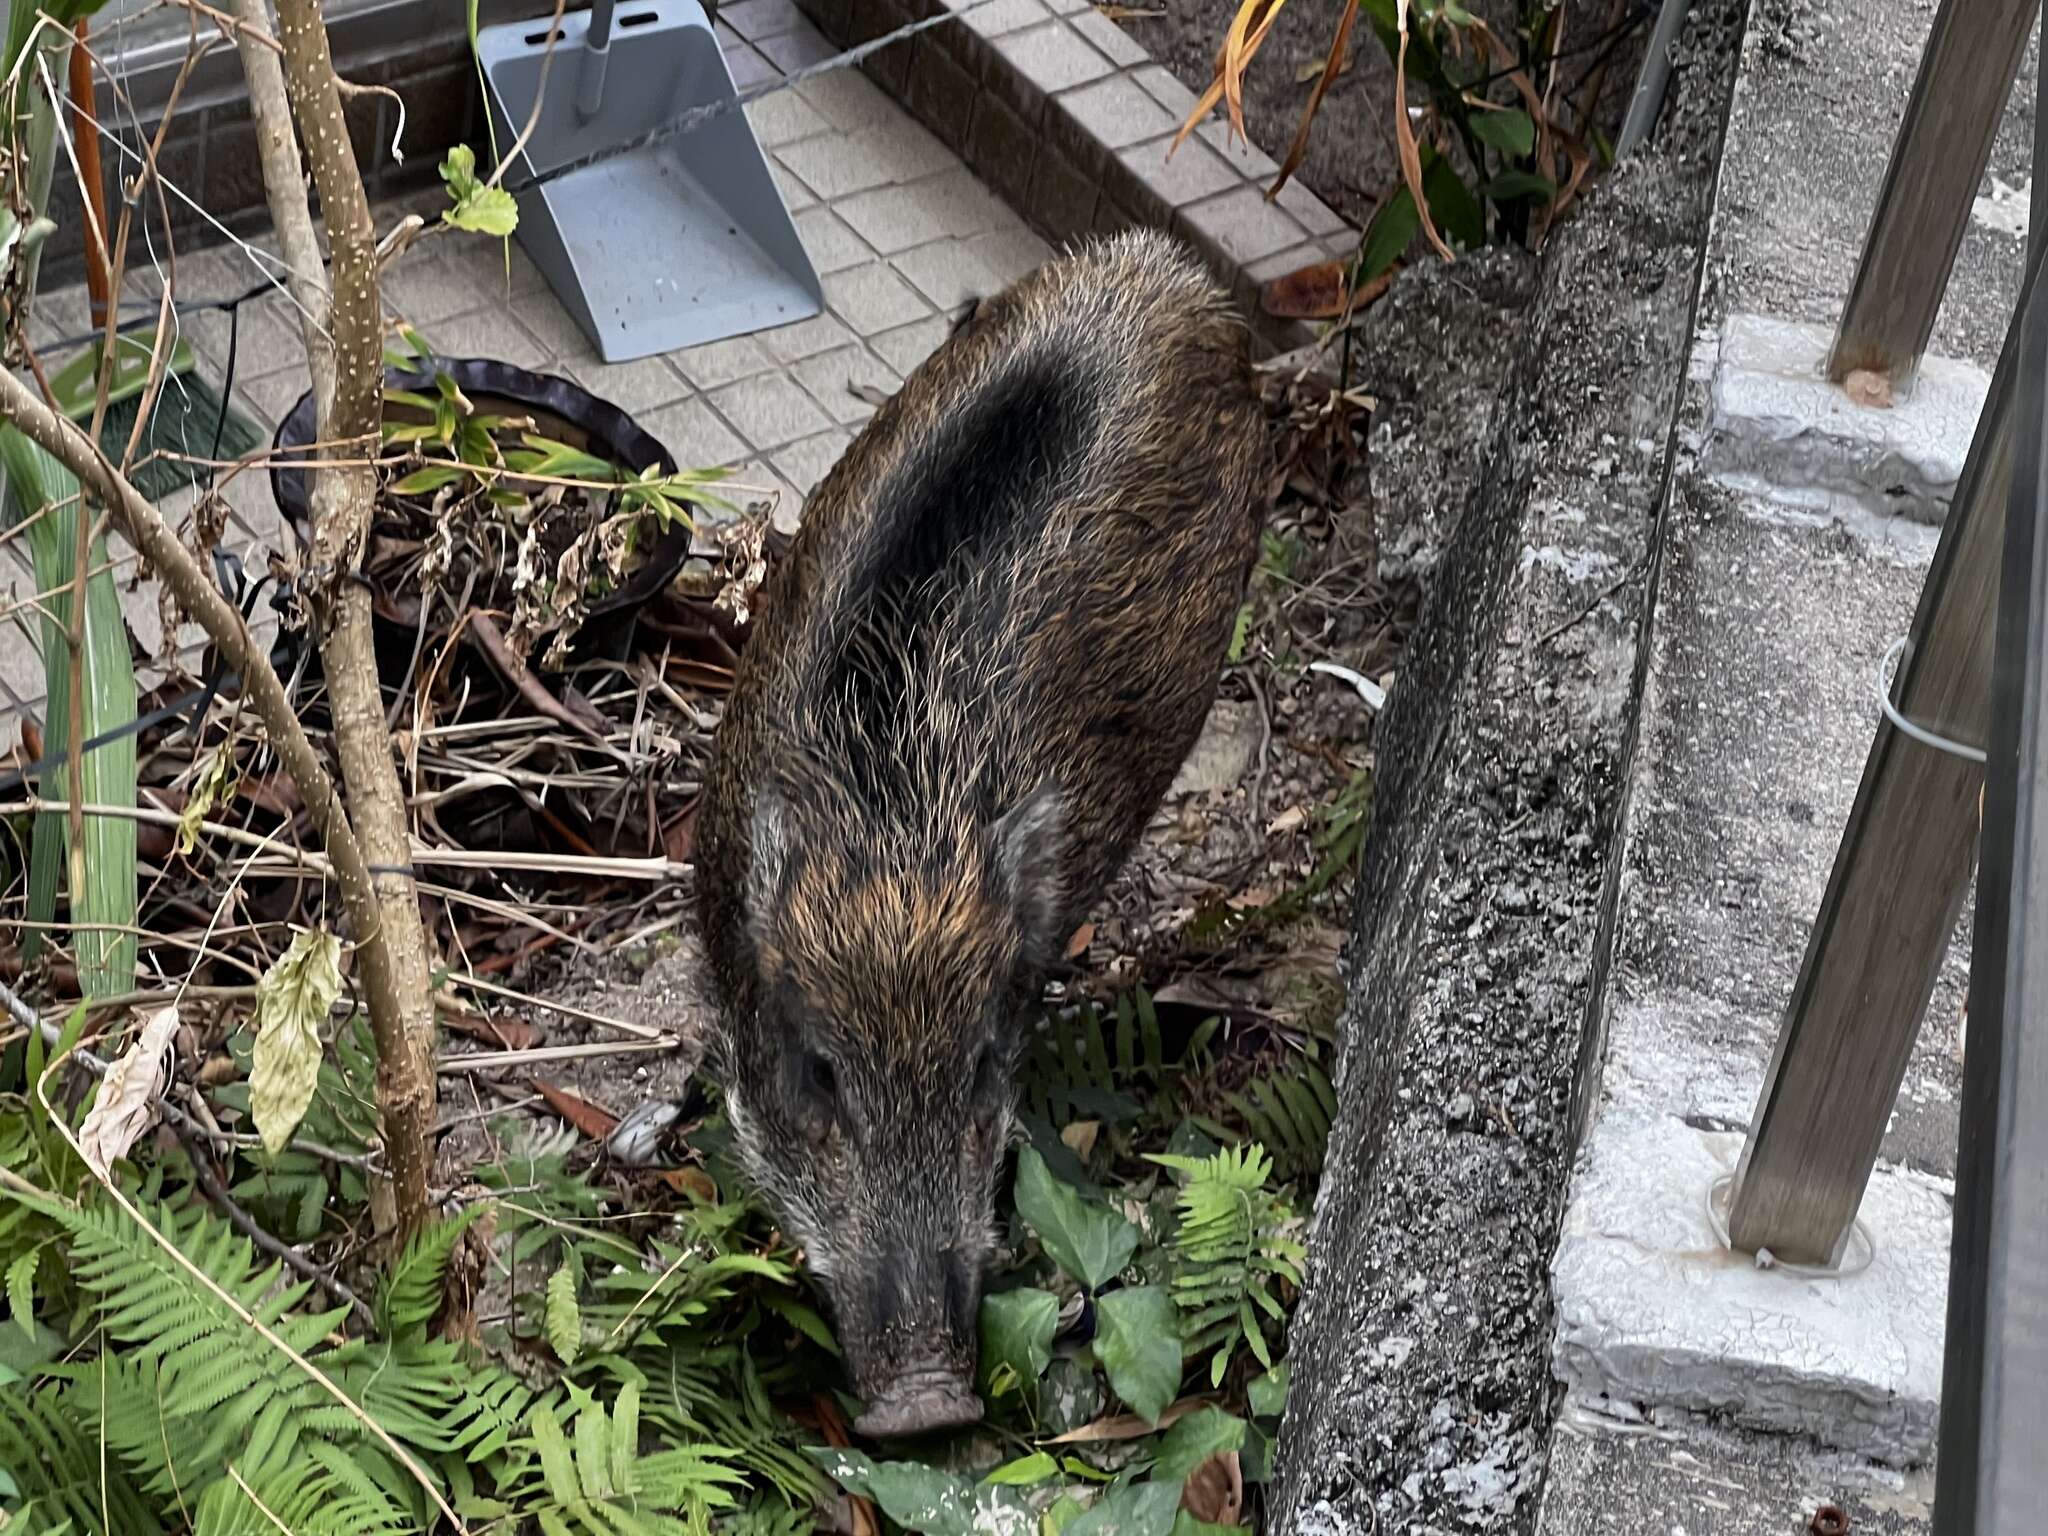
x=1024 y=849
x=767 y=860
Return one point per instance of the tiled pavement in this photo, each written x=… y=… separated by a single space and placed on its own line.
x=900 y=231
x=1061 y=117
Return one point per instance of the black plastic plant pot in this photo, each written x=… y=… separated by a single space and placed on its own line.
x=560 y=410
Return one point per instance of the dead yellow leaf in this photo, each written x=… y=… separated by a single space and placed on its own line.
x=1080 y=1137
x=128 y=1094
x=1127 y=1426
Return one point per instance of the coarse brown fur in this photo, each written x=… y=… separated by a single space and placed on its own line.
x=977 y=671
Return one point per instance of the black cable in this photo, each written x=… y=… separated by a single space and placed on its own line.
x=198 y=700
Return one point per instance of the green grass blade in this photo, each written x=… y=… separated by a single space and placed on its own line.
x=107 y=901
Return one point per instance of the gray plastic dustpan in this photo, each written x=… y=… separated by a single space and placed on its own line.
x=676 y=242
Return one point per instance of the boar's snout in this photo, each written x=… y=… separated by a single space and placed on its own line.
x=919 y=1404
x=911 y=1346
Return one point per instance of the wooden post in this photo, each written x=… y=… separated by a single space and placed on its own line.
x=1990 y=1476
x=1923 y=207
x=1900 y=876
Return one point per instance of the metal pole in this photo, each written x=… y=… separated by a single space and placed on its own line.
x=1648 y=99
x=1991 y=1478
x=1923 y=208
x=1901 y=874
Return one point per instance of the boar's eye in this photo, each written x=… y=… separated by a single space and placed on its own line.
x=818 y=1083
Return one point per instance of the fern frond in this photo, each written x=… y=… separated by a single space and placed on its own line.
x=1290 y=1113
x=54 y=1459
x=1228 y=1249
x=594 y=1479
x=323 y=1494
x=691 y=1397
x=190 y=1385
x=564 y=1317
x=410 y=1296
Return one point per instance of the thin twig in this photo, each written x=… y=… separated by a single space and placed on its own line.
x=507 y=860
x=249 y=1227
x=547 y=60
x=1265 y=752
x=625 y=1026
x=493 y=1061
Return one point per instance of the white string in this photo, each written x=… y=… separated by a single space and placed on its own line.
x=1765 y=1259
x=1906 y=727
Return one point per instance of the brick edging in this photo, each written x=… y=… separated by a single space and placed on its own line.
x=1069 y=118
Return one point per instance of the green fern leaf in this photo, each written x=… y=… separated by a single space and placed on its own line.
x=600 y=1484
x=1227 y=1249
x=410 y=1294
x=564 y=1320
x=189 y=1385
x=54 y=1459
x=322 y=1494
x=21 y=1290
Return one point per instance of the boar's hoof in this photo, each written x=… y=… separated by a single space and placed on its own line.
x=919 y=1405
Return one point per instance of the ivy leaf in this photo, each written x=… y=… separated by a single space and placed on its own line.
x=1511 y=132
x=484 y=209
x=1024 y=1471
x=1455 y=207
x=215 y=786
x=1061 y=1513
x=1137 y=1339
x=1185 y=1524
x=292 y=1001
x=1089 y=1242
x=1393 y=228
x=1267 y=1394
x=1137 y=1509
x=564 y=1317
x=928 y=1501
x=1017 y=1328
x=1508 y=186
x=1193 y=1440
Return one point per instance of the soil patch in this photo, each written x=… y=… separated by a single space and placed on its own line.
x=1351 y=162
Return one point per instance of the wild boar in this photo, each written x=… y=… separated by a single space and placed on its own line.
x=976 y=673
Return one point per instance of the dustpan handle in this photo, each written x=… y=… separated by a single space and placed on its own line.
x=597 y=42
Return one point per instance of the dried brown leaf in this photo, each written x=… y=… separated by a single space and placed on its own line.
x=1317 y=292
x=1127 y=1426
x=128 y=1094
x=691 y=1181
x=1338 y=60
x=1214 y=1491
x=1078 y=944
x=1404 y=138
x=592 y=1120
x=1080 y=1137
